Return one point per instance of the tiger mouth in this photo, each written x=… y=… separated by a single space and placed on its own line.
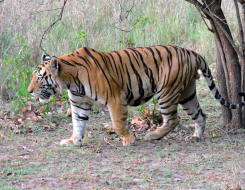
x=44 y=97
x=43 y=100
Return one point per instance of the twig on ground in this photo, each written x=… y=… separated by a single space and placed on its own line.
x=224 y=132
x=109 y=142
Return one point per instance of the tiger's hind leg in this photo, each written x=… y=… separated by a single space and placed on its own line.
x=189 y=103
x=170 y=118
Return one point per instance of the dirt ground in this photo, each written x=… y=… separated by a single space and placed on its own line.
x=37 y=161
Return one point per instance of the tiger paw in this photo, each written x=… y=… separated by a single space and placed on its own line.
x=192 y=139
x=129 y=140
x=71 y=141
x=154 y=135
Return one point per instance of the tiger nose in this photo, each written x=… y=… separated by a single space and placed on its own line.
x=30 y=91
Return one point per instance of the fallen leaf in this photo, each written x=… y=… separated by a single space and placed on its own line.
x=31 y=106
x=5 y=117
x=137 y=120
x=42 y=108
x=61 y=111
x=29 y=113
x=39 y=117
x=147 y=112
x=109 y=127
x=68 y=113
x=21 y=121
x=47 y=128
x=153 y=127
x=23 y=109
x=34 y=118
x=28 y=130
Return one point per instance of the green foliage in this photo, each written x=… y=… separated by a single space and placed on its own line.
x=80 y=37
x=18 y=80
x=142 y=21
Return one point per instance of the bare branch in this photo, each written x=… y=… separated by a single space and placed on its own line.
x=207 y=7
x=122 y=29
x=217 y=21
x=123 y=17
x=224 y=132
x=203 y=18
x=37 y=12
x=58 y=19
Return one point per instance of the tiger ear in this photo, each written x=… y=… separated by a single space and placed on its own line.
x=54 y=65
x=46 y=57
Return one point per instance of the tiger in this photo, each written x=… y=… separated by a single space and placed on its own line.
x=129 y=77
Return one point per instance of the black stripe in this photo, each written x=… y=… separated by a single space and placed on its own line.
x=196 y=116
x=81 y=118
x=170 y=113
x=188 y=99
x=76 y=63
x=85 y=59
x=155 y=61
x=66 y=62
x=159 y=53
x=130 y=95
x=222 y=101
x=139 y=80
x=120 y=58
x=153 y=86
x=114 y=63
x=241 y=104
x=211 y=87
x=142 y=60
x=217 y=95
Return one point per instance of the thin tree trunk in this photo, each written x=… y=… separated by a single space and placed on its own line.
x=226 y=112
x=242 y=46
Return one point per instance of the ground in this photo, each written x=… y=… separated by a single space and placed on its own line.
x=34 y=159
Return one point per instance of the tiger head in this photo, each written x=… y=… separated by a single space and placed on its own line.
x=44 y=83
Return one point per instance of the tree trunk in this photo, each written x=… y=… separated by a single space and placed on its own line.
x=226 y=112
x=231 y=58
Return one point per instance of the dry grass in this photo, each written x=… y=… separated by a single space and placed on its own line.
x=175 y=22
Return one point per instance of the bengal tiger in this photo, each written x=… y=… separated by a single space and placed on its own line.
x=127 y=77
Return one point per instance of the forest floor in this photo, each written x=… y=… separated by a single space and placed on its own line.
x=31 y=157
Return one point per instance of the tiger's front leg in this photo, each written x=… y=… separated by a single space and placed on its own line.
x=80 y=116
x=119 y=113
